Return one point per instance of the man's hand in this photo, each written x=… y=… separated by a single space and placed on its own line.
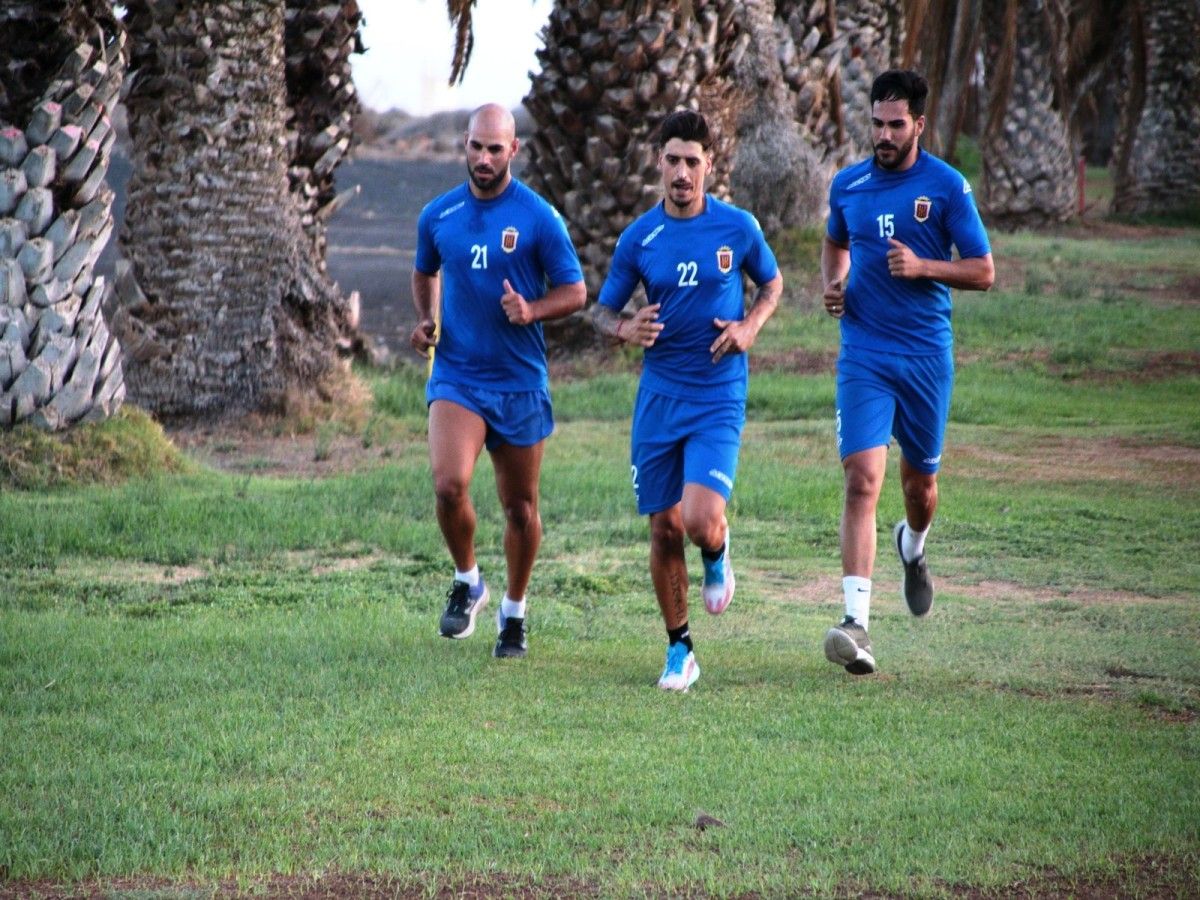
x=902 y=262
x=643 y=329
x=835 y=298
x=423 y=337
x=735 y=337
x=516 y=308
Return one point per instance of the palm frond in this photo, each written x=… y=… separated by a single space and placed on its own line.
x=460 y=13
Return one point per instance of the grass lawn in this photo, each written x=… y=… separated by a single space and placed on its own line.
x=217 y=681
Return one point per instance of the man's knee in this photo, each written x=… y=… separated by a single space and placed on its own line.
x=521 y=513
x=450 y=489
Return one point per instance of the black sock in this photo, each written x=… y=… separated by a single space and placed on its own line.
x=680 y=635
x=713 y=555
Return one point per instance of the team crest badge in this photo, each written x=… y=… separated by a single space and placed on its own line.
x=508 y=239
x=725 y=259
x=921 y=208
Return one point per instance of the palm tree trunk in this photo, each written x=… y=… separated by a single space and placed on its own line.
x=1157 y=155
x=1029 y=154
x=61 y=65
x=225 y=307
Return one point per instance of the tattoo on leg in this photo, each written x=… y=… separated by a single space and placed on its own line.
x=679 y=597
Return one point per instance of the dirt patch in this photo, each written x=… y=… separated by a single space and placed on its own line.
x=257 y=450
x=1058 y=458
x=797 y=361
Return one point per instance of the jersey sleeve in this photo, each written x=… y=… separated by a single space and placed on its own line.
x=836 y=226
x=965 y=225
x=427 y=260
x=622 y=277
x=759 y=262
x=559 y=260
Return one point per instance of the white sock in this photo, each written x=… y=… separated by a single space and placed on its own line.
x=512 y=609
x=912 y=543
x=857 y=591
x=471 y=577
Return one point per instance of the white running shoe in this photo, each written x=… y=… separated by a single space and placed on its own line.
x=718 y=582
x=681 y=670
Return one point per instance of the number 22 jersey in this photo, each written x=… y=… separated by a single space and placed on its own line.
x=692 y=267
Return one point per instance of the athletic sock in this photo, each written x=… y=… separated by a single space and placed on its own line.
x=857 y=591
x=912 y=543
x=471 y=577
x=713 y=555
x=680 y=634
x=512 y=609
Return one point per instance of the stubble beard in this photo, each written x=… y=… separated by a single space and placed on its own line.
x=487 y=183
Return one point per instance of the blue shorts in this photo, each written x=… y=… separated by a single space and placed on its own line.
x=516 y=418
x=677 y=442
x=880 y=395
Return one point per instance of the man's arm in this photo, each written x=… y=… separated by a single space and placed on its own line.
x=426 y=290
x=642 y=329
x=558 y=302
x=835 y=266
x=738 y=337
x=974 y=273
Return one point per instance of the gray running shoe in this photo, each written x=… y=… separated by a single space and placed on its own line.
x=463 y=604
x=918 y=586
x=847 y=645
x=511 y=642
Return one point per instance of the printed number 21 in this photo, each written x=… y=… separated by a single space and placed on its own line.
x=479 y=259
x=887 y=227
x=687 y=274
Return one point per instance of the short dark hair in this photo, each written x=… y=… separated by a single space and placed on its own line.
x=901 y=84
x=687 y=125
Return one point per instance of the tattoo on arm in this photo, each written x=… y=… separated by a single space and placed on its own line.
x=605 y=321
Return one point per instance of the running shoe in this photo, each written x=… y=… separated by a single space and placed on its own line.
x=681 y=670
x=463 y=603
x=847 y=645
x=718 y=581
x=918 y=586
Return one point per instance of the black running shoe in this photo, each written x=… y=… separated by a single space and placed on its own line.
x=463 y=603
x=510 y=643
x=918 y=586
x=847 y=645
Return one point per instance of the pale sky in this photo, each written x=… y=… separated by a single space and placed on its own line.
x=410 y=44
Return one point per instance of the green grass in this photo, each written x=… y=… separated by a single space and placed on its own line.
x=209 y=676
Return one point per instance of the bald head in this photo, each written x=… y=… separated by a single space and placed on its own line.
x=493 y=118
x=491 y=144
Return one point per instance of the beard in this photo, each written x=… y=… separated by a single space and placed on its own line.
x=487 y=182
x=688 y=191
x=901 y=153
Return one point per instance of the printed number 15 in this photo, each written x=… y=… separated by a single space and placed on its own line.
x=887 y=226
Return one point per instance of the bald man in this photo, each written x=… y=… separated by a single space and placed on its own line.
x=498 y=260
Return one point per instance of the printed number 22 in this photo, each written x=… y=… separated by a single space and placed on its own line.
x=687 y=274
x=887 y=226
x=479 y=258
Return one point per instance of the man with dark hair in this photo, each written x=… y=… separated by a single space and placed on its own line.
x=689 y=252
x=497 y=245
x=893 y=219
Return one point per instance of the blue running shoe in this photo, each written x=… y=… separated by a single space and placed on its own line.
x=718 y=582
x=463 y=604
x=681 y=670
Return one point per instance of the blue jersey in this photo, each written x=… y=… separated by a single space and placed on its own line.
x=693 y=268
x=477 y=244
x=928 y=207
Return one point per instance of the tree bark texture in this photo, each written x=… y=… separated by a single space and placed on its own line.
x=1157 y=154
x=224 y=307
x=1029 y=154
x=61 y=66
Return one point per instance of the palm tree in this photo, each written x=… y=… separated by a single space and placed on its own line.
x=61 y=66
x=1157 y=155
x=225 y=304
x=1028 y=149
